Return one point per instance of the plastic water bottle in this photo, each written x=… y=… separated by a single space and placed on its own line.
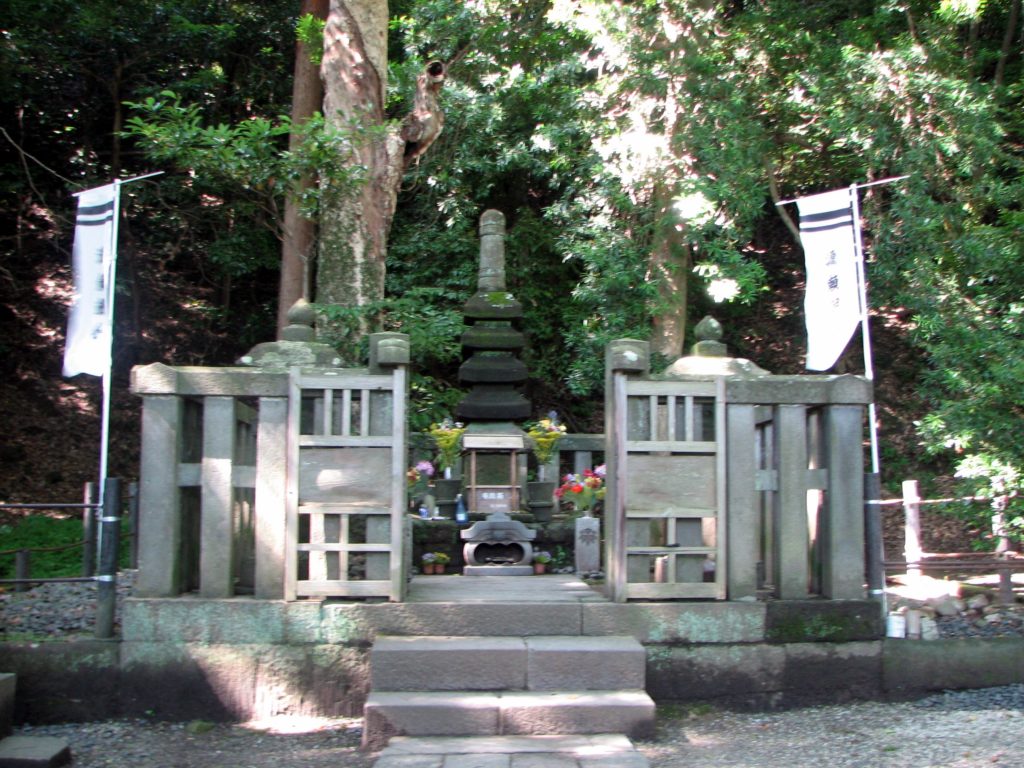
x=461 y=516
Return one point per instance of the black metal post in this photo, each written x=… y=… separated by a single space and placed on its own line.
x=22 y=568
x=133 y=521
x=110 y=530
x=89 y=531
x=874 y=545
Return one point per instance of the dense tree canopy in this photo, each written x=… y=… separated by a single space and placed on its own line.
x=637 y=149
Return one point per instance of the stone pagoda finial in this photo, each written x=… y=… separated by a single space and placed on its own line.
x=492 y=341
x=492 y=252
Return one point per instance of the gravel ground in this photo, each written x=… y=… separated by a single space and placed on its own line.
x=964 y=729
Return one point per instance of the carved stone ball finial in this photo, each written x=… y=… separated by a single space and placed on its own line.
x=301 y=319
x=492 y=251
x=708 y=329
x=709 y=339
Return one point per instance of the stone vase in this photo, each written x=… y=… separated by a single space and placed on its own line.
x=540 y=497
x=445 y=491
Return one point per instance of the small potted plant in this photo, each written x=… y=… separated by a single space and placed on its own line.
x=440 y=561
x=428 y=562
x=540 y=561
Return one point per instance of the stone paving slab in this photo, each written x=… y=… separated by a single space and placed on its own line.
x=448 y=664
x=549 y=588
x=34 y=752
x=577 y=751
x=593 y=663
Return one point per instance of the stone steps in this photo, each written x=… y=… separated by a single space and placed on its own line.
x=506 y=686
x=541 y=663
x=581 y=751
x=25 y=751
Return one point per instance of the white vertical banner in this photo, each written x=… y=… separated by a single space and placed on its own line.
x=832 y=302
x=89 y=336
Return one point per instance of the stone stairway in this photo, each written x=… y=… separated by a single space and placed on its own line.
x=496 y=686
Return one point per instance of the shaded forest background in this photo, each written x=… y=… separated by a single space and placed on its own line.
x=637 y=150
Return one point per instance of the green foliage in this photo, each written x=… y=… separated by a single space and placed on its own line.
x=310 y=31
x=250 y=156
x=36 y=532
x=39 y=532
x=433 y=319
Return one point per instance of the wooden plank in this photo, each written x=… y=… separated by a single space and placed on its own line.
x=665 y=482
x=271 y=458
x=616 y=405
x=216 y=519
x=243 y=476
x=327 y=414
x=339 y=441
x=342 y=508
x=342 y=547
x=671 y=446
x=676 y=387
x=345 y=475
x=722 y=521
x=317 y=560
x=342 y=380
x=346 y=413
x=680 y=550
x=400 y=556
x=673 y=512
x=364 y=412
x=190 y=475
x=792 y=535
x=291 y=562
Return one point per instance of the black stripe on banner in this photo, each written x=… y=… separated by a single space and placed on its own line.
x=827 y=227
x=93 y=222
x=92 y=210
x=846 y=213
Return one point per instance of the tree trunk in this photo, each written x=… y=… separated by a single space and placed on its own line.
x=354 y=225
x=299 y=234
x=1007 y=46
x=670 y=267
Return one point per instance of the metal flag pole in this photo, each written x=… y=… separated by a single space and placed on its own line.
x=865 y=328
x=108 y=287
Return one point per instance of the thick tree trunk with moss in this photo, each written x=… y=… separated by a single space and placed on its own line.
x=670 y=266
x=299 y=236
x=354 y=225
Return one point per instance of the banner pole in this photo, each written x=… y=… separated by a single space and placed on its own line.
x=110 y=287
x=869 y=366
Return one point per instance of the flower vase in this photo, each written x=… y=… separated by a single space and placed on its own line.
x=428 y=569
x=539 y=568
x=540 y=498
x=439 y=569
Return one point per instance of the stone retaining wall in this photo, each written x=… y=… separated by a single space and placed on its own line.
x=234 y=659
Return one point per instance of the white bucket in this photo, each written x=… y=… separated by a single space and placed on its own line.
x=895 y=625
